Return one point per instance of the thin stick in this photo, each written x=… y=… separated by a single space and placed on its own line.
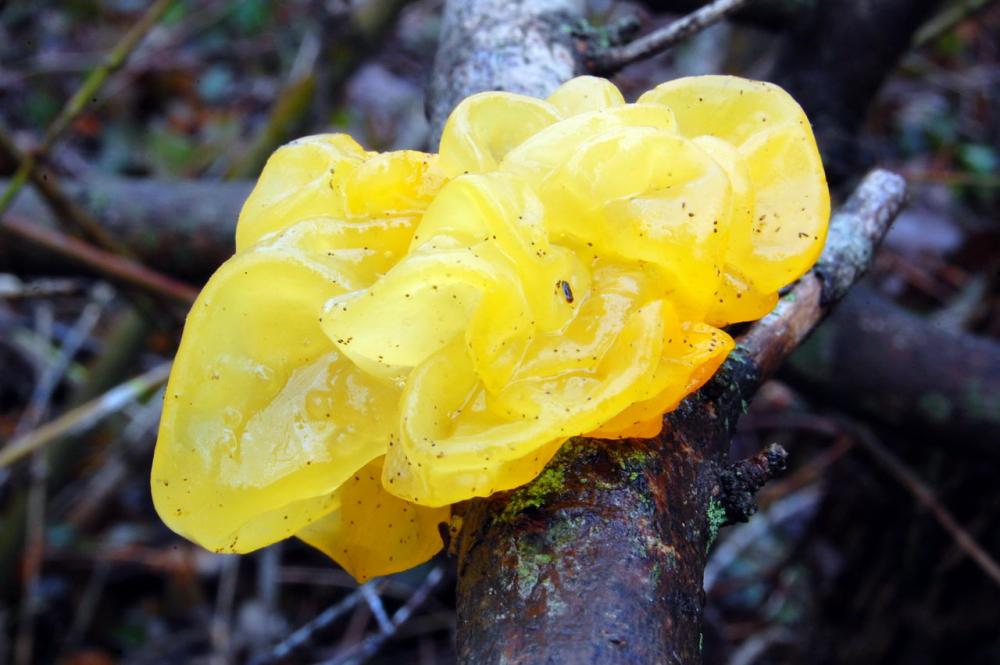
x=34 y=537
x=377 y=608
x=38 y=404
x=369 y=646
x=948 y=19
x=67 y=211
x=614 y=58
x=302 y=636
x=115 y=267
x=84 y=95
x=86 y=415
x=923 y=494
x=221 y=628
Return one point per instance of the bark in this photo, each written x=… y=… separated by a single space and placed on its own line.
x=522 y=46
x=898 y=369
x=600 y=559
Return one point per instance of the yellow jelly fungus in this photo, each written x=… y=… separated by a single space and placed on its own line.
x=773 y=137
x=372 y=532
x=399 y=332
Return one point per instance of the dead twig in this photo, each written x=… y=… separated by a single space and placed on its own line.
x=303 y=635
x=38 y=404
x=925 y=496
x=740 y=481
x=67 y=211
x=85 y=95
x=11 y=287
x=113 y=266
x=86 y=415
x=369 y=646
x=607 y=60
x=948 y=19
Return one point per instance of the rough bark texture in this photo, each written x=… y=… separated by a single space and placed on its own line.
x=522 y=46
x=600 y=559
x=896 y=368
x=183 y=228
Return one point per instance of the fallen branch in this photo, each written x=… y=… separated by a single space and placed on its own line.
x=601 y=558
x=112 y=266
x=183 y=228
x=523 y=47
x=86 y=415
x=893 y=367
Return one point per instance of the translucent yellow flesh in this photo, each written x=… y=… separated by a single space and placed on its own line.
x=736 y=298
x=773 y=137
x=374 y=533
x=459 y=441
x=295 y=185
x=551 y=147
x=652 y=196
x=690 y=357
x=402 y=331
x=262 y=418
x=486 y=126
x=393 y=183
x=792 y=209
x=329 y=175
x=417 y=308
x=583 y=94
x=727 y=107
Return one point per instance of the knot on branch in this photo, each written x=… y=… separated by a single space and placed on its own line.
x=741 y=480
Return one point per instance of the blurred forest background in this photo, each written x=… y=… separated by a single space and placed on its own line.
x=878 y=545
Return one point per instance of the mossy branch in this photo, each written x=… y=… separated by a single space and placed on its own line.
x=601 y=558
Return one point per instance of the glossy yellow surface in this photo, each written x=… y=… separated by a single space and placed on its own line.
x=402 y=331
x=372 y=532
x=772 y=135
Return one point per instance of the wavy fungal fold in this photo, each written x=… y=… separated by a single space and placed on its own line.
x=398 y=332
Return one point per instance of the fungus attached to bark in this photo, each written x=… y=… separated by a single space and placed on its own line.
x=399 y=332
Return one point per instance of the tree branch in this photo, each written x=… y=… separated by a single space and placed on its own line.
x=183 y=228
x=521 y=46
x=772 y=14
x=888 y=365
x=611 y=59
x=600 y=559
x=112 y=266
